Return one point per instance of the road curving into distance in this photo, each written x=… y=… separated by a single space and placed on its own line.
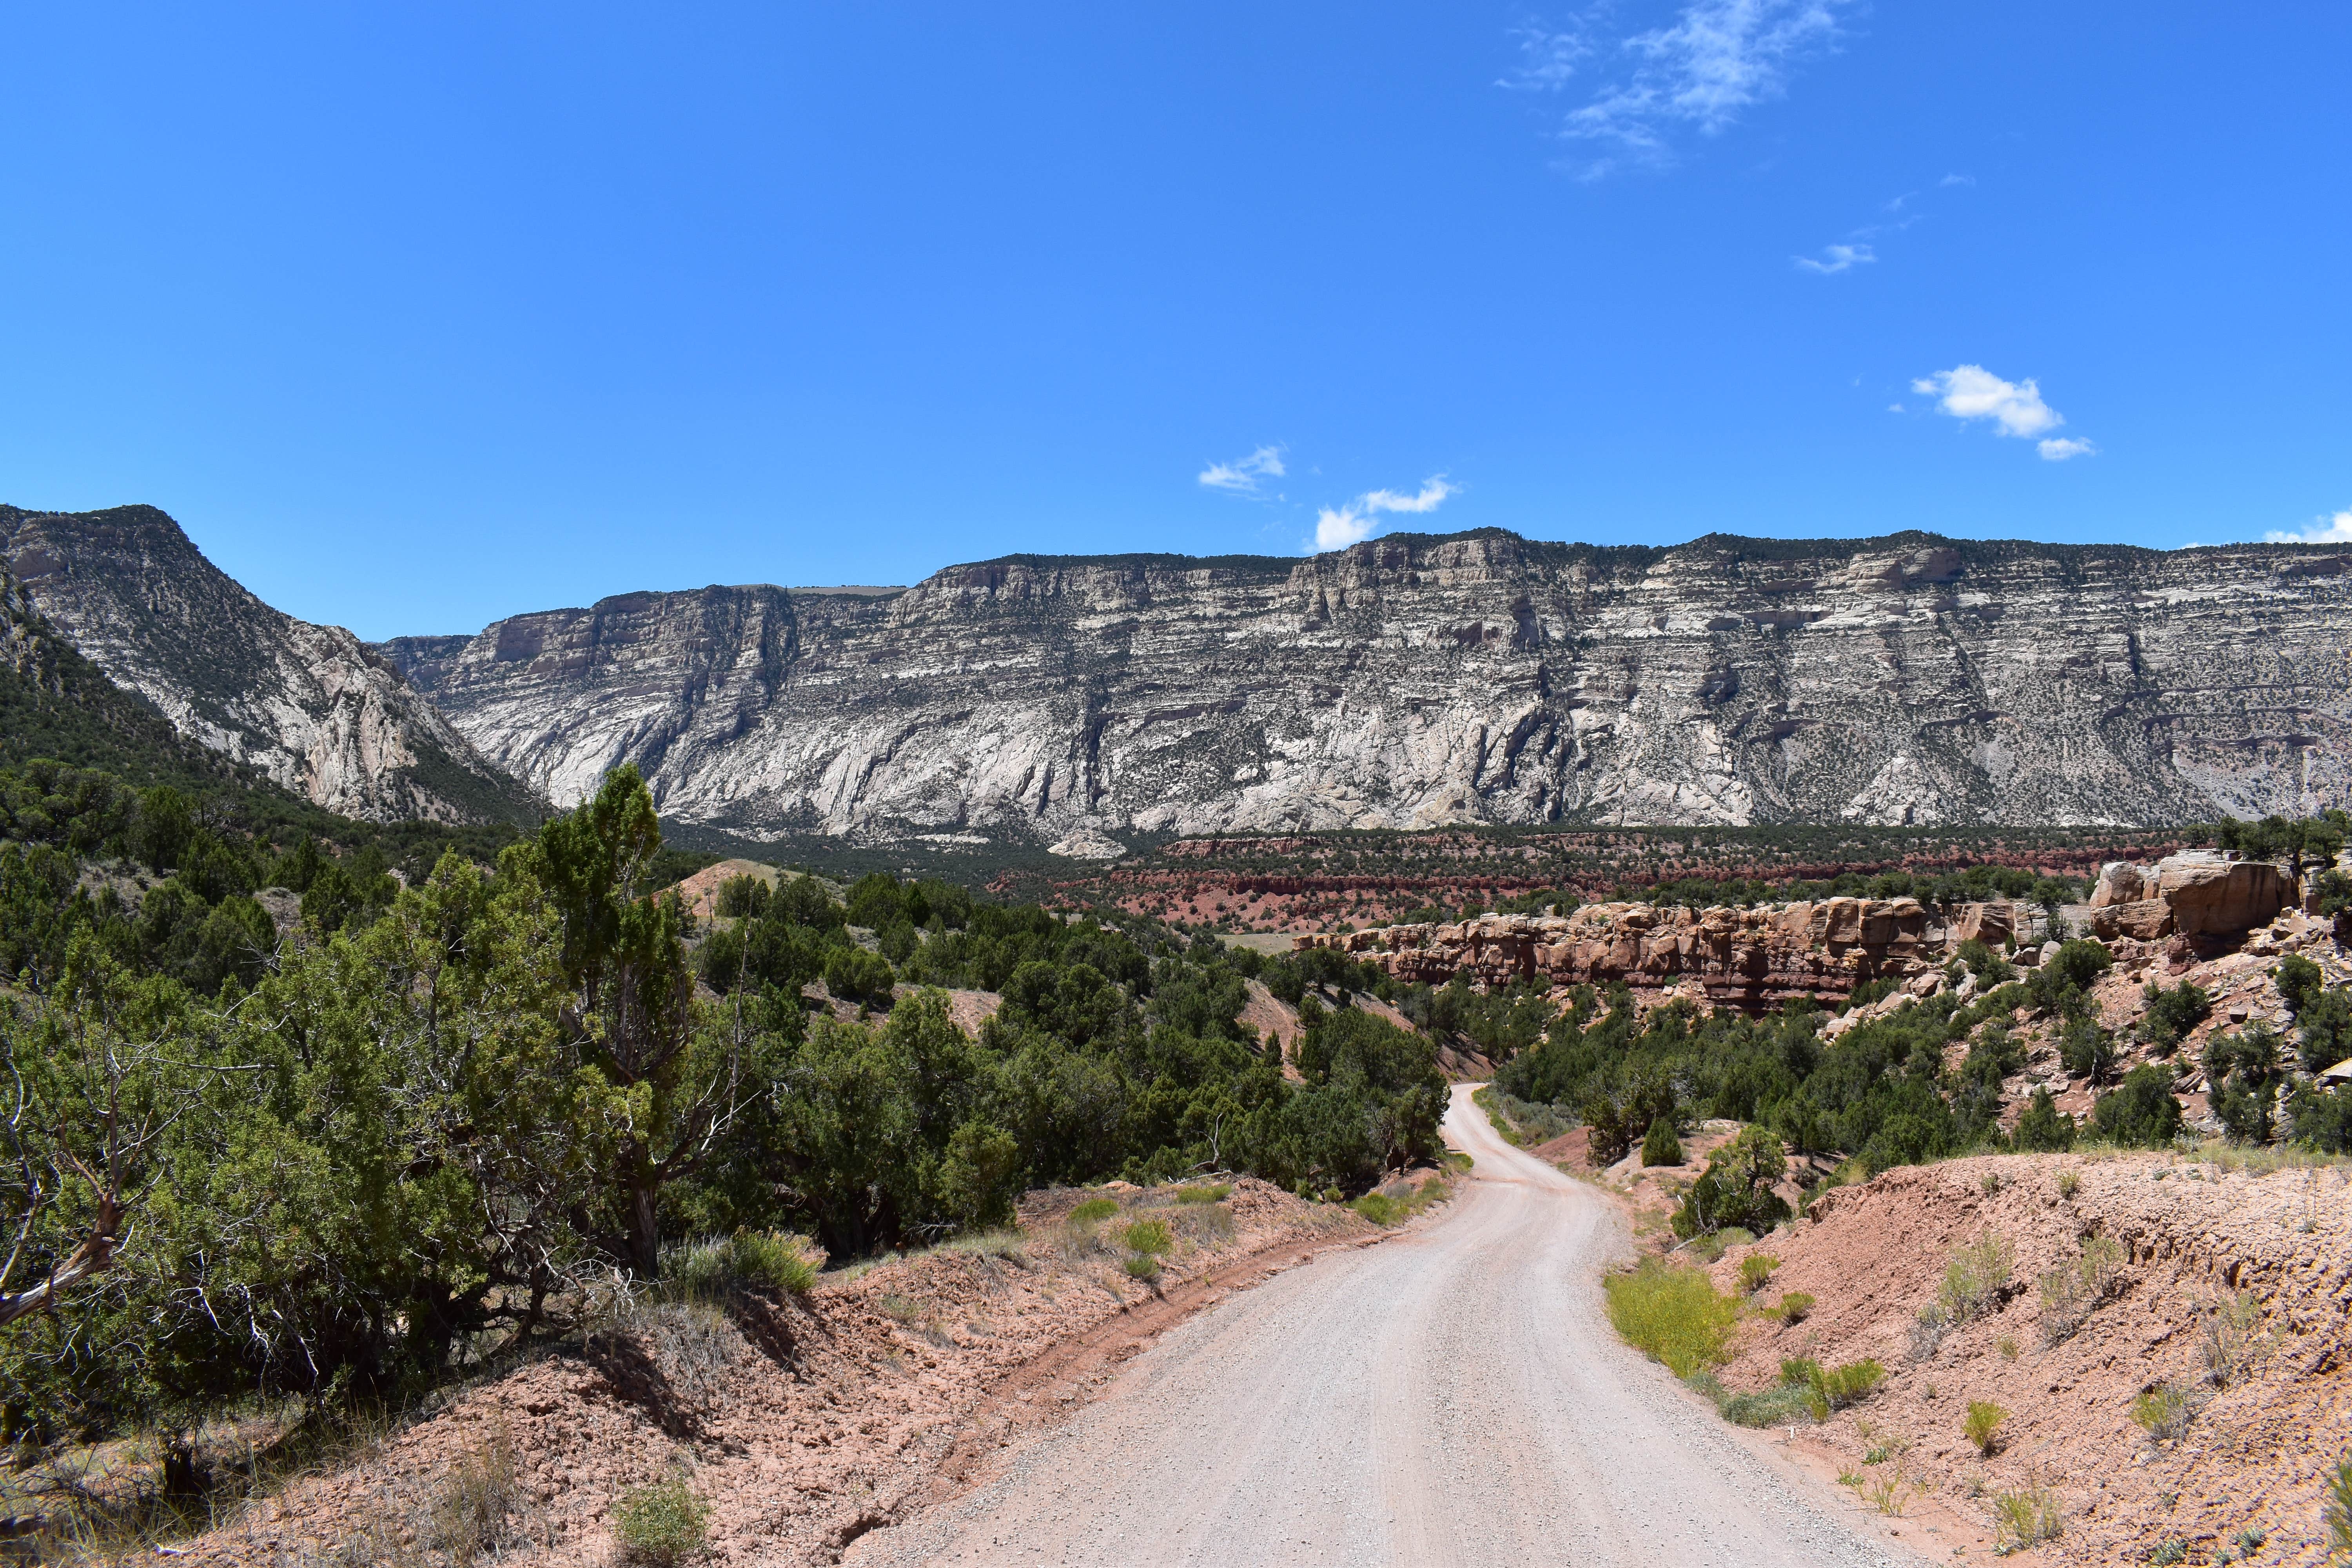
x=1452 y=1399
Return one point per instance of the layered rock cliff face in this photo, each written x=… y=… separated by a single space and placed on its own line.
x=306 y=705
x=1414 y=680
x=1748 y=958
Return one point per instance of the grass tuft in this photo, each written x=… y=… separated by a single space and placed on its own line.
x=2164 y=1411
x=2026 y=1518
x=1975 y=1279
x=1094 y=1211
x=1215 y=1193
x=1983 y=1424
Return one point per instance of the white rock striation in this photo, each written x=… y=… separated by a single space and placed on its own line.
x=1414 y=680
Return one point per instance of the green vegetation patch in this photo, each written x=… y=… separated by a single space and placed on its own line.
x=1673 y=1314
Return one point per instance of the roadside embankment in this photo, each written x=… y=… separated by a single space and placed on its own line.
x=2155 y=1349
x=795 y=1423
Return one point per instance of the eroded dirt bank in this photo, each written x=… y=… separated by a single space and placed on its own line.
x=2232 y=1289
x=803 y=1421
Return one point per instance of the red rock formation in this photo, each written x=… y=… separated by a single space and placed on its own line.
x=2199 y=896
x=1749 y=958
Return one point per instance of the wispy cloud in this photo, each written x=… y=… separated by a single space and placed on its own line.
x=1336 y=528
x=1715 y=60
x=2058 y=448
x=1838 y=258
x=1970 y=392
x=1957 y=180
x=1245 y=476
x=1547 y=59
x=2336 y=530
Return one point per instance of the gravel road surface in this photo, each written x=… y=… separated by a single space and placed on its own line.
x=1451 y=1397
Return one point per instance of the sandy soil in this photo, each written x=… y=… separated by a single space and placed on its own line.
x=2195 y=1237
x=803 y=1421
x=1453 y=1397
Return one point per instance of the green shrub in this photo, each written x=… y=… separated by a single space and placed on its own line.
x=1142 y=1266
x=1835 y=1388
x=1793 y=1306
x=1755 y=1271
x=2141 y=1112
x=1735 y=1189
x=1660 y=1146
x=2168 y=1552
x=1673 y=1313
x=2164 y=1411
x=1975 y=1277
x=660 y=1523
x=1215 y=1194
x=2044 y=1129
x=1379 y=1208
x=2025 y=1519
x=1149 y=1236
x=1782 y=1406
x=1983 y=1424
x=1094 y=1211
x=2069 y=1183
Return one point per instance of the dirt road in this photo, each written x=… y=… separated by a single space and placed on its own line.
x=1451 y=1397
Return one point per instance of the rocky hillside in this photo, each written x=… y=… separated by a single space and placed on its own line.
x=307 y=706
x=1412 y=680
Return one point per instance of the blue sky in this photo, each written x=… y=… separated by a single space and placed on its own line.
x=418 y=316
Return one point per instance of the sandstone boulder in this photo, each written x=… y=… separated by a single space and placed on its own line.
x=2147 y=919
x=2121 y=883
x=2213 y=896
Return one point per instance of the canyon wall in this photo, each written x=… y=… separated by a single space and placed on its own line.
x=308 y=706
x=1412 y=680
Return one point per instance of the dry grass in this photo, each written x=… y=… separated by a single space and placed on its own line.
x=1975 y=1277
x=469 y=1508
x=2071 y=1294
x=2026 y=1518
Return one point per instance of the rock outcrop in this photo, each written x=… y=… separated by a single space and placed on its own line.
x=2203 y=897
x=308 y=706
x=1750 y=958
x=1412 y=680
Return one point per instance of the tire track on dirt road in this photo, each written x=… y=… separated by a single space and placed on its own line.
x=1453 y=1398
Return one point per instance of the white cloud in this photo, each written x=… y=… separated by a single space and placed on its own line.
x=1838 y=258
x=1243 y=476
x=1547 y=59
x=1336 y=528
x=1717 y=59
x=2336 y=530
x=1957 y=180
x=1973 y=391
x=2058 y=448
x=1432 y=492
